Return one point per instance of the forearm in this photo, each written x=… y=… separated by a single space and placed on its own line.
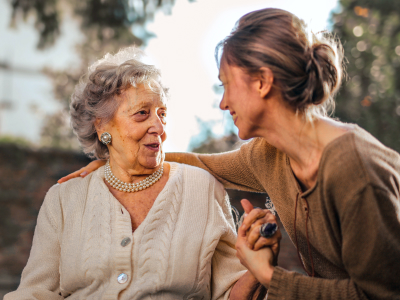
x=228 y=168
x=292 y=285
x=247 y=287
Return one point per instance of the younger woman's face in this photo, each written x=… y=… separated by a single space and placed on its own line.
x=242 y=99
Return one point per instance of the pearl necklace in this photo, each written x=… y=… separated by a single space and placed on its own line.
x=131 y=187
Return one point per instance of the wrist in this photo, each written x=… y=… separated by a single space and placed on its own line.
x=251 y=279
x=266 y=276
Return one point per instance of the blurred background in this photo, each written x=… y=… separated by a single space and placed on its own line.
x=46 y=45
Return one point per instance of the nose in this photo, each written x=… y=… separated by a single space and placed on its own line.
x=157 y=125
x=223 y=105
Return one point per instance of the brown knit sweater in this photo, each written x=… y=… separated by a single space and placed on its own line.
x=353 y=212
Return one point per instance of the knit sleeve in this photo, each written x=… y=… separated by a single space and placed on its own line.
x=370 y=227
x=40 y=277
x=226 y=268
x=233 y=169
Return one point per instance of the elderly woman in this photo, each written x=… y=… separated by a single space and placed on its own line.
x=137 y=228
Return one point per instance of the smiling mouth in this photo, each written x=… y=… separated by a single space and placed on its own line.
x=234 y=117
x=153 y=146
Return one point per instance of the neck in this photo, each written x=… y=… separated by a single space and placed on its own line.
x=130 y=174
x=303 y=141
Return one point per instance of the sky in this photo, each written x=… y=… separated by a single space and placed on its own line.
x=183 y=48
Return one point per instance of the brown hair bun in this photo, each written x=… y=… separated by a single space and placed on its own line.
x=323 y=75
x=307 y=73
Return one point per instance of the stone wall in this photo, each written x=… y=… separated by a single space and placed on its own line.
x=25 y=177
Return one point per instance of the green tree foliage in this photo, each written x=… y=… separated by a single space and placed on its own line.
x=107 y=25
x=370 y=33
x=99 y=19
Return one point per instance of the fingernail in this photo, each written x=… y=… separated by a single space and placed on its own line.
x=84 y=173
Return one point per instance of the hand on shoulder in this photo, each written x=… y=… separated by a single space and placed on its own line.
x=91 y=167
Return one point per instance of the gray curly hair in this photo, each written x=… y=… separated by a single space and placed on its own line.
x=96 y=95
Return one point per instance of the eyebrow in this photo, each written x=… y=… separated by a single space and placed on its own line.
x=145 y=104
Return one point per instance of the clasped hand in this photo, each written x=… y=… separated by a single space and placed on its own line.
x=258 y=254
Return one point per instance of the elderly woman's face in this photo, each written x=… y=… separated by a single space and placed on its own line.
x=137 y=129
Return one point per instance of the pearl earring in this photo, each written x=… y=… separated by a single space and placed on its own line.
x=105 y=138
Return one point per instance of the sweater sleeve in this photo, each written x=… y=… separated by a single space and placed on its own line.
x=232 y=169
x=370 y=251
x=40 y=277
x=226 y=268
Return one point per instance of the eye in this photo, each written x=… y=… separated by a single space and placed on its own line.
x=163 y=115
x=141 y=115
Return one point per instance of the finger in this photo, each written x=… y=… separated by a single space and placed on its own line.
x=241 y=244
x=268 y=218
x=252 y=217
x=70 y=176
x=261 y=243
x=241 y=233
x=275 y=250
x=247 y=206
x=92 y=166
x=272 y=242
x=242 y=253
x=255 y=236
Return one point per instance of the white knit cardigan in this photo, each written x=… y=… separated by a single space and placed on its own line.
x=184 y=249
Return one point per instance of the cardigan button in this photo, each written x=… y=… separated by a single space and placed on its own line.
x=125 y=241
x=122 y=278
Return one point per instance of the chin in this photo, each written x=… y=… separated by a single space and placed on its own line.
x=244 y=135
x=246 y=132
x=152 y=162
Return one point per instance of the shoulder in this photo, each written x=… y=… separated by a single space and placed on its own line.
x=76 y=186
x=196 y=179
x=74 y=192
x=192 y=173
x=357 y=160
x=379 y=162
x=254 y=158
x=260 y=148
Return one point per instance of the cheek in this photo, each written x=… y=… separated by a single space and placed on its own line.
x=164 y=136
x=133 y=132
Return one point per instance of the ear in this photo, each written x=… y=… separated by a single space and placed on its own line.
x=99 y=127
x=265 y=82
